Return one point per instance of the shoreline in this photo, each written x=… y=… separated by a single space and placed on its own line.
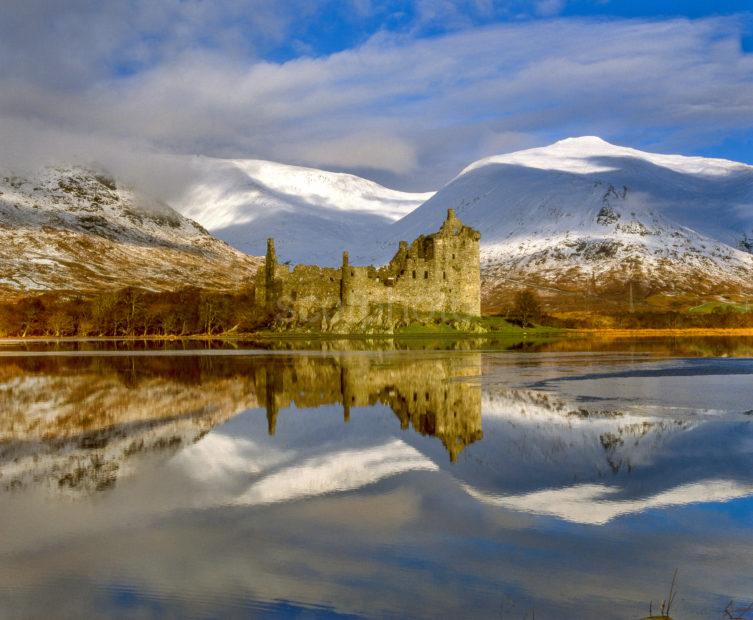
x=662 y=332
x=523 y=334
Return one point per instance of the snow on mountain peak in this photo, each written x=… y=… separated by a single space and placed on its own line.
x=314 y=214
x=578 y=208
x=585 y=213
x=71 y=228
x=591 y=154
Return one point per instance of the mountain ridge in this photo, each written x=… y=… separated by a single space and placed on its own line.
x=315 y=214
x=581 y=218
x=590 y=219
x=71 y=228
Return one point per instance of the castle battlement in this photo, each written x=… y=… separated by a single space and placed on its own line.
x=439 y=272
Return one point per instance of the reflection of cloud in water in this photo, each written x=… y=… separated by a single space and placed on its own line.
x=592 y=504
x=205 y=528
x=264 y=474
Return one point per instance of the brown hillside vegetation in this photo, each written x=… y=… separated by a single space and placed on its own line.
x=75 y=230
x=129 y=312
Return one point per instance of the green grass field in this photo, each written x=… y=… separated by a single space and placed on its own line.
x=720 y=305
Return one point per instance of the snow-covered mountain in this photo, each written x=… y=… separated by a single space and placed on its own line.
x=313 y=214
x=578 y=218
x=72 y=228
x=584 y=215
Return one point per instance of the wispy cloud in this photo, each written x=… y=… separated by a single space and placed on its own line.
x=414 y=109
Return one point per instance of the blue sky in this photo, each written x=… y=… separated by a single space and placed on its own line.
x=336 y=27
x=403 y=91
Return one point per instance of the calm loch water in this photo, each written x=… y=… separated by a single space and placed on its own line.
x=547 y=482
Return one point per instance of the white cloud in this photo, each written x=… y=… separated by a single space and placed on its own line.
x=416 y=109
x=361 y=150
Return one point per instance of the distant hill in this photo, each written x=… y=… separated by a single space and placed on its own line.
x=75 y=229
x=313 y=214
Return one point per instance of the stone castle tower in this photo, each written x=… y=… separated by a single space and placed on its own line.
x=437 y=273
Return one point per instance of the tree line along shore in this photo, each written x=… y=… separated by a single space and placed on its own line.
x=134 y=312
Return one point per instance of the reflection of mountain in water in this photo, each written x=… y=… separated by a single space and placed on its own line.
x=556 y=441
x=82 y=422
x=640 y=435
x=78 y=422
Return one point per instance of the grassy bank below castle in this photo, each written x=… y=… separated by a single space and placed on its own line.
x=482 y=326
x=397 y=321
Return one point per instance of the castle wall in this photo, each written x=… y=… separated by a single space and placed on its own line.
x=436 y=273
x=302 y=290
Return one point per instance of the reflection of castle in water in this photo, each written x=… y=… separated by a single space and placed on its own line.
x=428 y=395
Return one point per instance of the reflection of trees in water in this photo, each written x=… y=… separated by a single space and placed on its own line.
x=79 y=422
x=443 y=342
x=685 y=346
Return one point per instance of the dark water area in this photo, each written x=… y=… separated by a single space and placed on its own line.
x=417 y=478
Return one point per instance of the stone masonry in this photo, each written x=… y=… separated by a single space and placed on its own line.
x=437 y=273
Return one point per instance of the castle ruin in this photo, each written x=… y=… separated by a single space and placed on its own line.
x=437 y=273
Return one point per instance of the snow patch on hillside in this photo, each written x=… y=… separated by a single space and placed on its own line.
x=584 y=210
x=580 y=156
x=313 y=214
x=73 y=228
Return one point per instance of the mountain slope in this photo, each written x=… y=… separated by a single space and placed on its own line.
x=586 y=217
x=71 y=228
x=313 y=214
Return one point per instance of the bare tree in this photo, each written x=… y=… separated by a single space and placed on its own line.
x=526 y=308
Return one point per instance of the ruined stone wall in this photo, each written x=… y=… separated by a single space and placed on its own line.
x=436 y=273
x=302 y=290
